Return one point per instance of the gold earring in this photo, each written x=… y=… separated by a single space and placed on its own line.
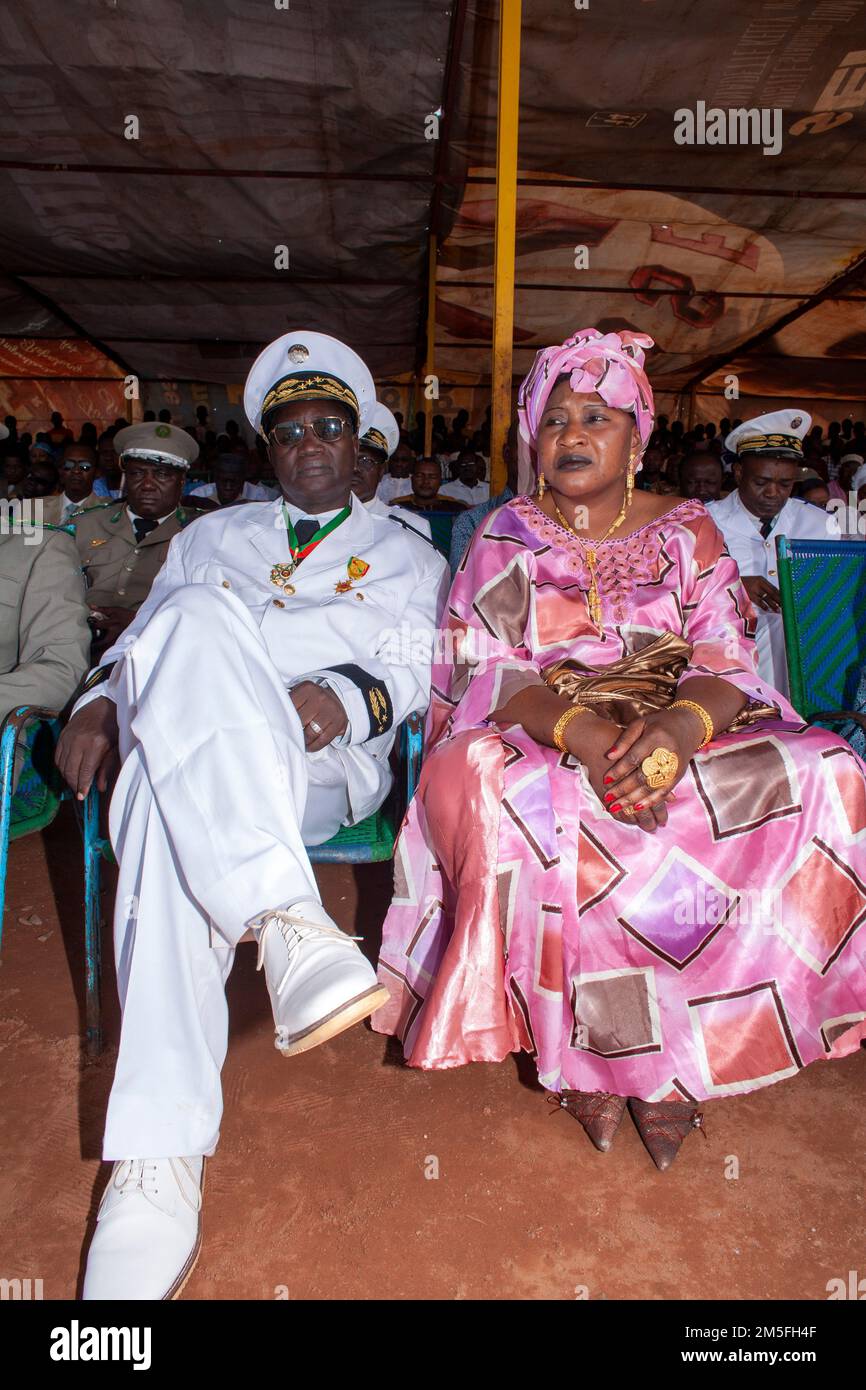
x=629 y=484
x=539 y=491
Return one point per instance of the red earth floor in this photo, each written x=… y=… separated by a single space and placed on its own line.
x=318 y=1189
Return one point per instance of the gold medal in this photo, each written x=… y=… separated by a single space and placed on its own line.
x=280 y=576
x=357 y=568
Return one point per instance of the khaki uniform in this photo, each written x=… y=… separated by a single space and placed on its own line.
x=119 y=571
x=44 y=634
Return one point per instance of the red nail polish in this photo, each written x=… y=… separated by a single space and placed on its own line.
x=639 y=806
x=617 y=807
x=609 y=796
x=607 y=779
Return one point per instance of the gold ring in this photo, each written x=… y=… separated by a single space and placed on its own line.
x=660 y=768
x=628 y=811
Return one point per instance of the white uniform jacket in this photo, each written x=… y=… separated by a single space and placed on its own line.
x=413 y=519
x=334 y=628
x=755 y=554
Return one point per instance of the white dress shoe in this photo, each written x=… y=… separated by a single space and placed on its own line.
x=148 y=1231
x=318 y=980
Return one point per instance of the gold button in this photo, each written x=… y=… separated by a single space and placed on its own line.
x=288 y=588
x=226 y=584
x=360 y=596
x=278 y=603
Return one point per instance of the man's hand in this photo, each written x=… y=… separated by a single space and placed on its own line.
x=762 y=593
x=318 y=706
x=111 y=621
x=88 y=747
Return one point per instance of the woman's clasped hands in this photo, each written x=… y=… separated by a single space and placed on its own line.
x=627 y=792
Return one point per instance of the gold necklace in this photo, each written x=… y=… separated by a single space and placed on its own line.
x=591 y=551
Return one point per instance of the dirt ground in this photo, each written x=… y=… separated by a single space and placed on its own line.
x=320 y=1190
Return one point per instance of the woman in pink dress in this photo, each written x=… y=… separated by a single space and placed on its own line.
x=627 y=855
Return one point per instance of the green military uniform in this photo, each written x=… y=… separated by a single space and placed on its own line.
x=118 y=569
x=44 y=634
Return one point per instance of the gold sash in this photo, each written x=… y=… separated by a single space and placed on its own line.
x=638 y=683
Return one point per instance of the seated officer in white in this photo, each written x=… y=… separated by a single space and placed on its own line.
x=769 y=455
x=374 y=451
x=253 y=702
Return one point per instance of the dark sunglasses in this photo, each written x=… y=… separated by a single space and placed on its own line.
x=326 y=427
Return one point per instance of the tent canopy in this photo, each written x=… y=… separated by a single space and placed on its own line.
x=182 y=183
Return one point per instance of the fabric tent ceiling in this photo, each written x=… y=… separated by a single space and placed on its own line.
x=304 y=127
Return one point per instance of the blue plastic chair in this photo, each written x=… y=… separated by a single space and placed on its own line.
x=31 y=807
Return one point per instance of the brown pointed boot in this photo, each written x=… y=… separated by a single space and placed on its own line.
x=600 y=1113
x=663 y=1125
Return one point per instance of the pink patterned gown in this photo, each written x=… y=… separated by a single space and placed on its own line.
x=720 y=954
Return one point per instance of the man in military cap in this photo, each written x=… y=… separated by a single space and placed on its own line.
x=768 y=454
x=123 y=544
x=374 y=451
x=278 y=625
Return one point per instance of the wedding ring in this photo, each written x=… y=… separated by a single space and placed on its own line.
x=628 y=811
x=316 y=728
x=660 y=768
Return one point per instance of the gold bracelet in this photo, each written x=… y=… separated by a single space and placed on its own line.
x=705 y=719
x=562 y=723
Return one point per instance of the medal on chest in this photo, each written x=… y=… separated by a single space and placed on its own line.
x=356 y=569
x=281 y=575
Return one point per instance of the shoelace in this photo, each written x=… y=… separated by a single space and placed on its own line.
x=140 y=1175
x=294 y=928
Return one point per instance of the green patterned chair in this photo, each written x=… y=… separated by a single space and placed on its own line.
x=823 y=590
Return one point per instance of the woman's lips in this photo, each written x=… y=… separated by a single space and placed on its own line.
x=573 y=463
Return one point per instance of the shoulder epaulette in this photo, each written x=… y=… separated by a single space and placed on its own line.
x=420 y=534
x=82 y=511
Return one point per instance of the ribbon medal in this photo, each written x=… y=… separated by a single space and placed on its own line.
x=280 y=575
x=356 y=569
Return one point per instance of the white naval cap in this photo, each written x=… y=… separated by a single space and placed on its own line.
x=779 y=433
x=157 y=443
x=384 y=432
x=309 y=366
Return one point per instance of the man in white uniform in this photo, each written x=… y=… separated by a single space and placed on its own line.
x=769 y=455
x=270 y=625
x=374 y=451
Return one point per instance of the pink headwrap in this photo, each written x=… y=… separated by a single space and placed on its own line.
x=608 y=363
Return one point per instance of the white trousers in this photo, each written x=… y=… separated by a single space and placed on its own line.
x=214 y=802
x=770 y=645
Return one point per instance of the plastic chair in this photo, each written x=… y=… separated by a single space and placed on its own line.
x=823 y=591
x=369 y=842
x=31 y=807
x=372 y=840
x=441 y=524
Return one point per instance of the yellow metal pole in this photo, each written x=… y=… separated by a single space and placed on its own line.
x=506 y=225
x=430 y=405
